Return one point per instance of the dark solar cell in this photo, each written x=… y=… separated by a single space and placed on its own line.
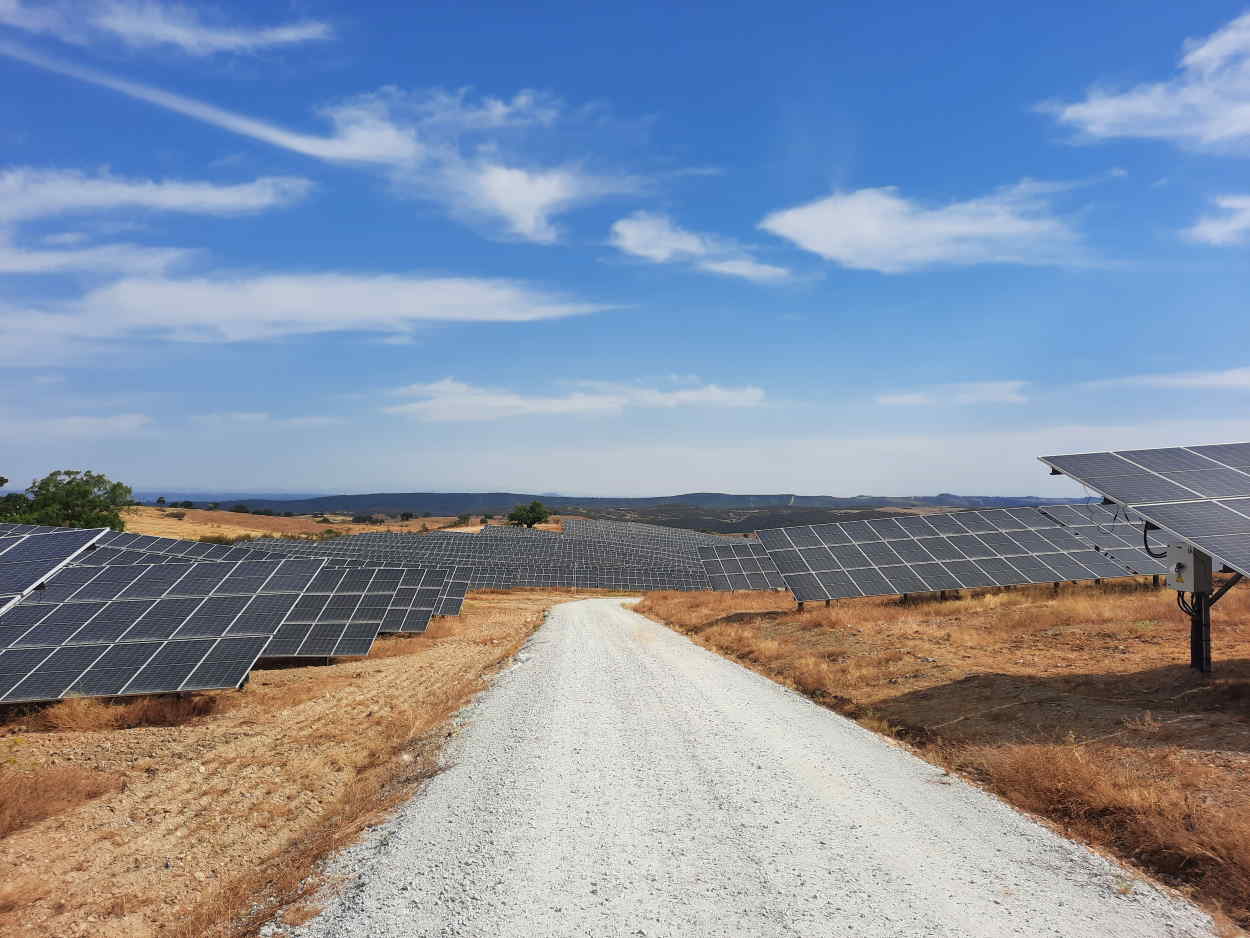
x=848 y=555
x=945 y=524
x=968 y=573
x=860 y=531
x=871 y=582
x=903 y=579
x=936 y=576
x=1141 y=488
x=1166 y=460
x=1213 y=482
x=828 y=534
x=880 y=553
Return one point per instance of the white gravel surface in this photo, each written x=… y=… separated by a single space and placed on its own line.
x=618 y=779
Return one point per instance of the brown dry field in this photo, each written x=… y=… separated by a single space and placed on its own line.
x=145 y=519
x=1078 y=706
x=200 y=522
x=204 y=827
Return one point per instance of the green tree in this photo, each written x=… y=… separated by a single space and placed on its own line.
x=161 y=500
x=529 y=515
x=405 y=516
x=242 y=509
x=70 y=498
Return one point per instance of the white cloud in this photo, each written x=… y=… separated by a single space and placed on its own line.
x=149 y=23
x=1206 y=104
x=878 y=229
x=657 y=238
x=26 y=193
x=1227 y=379
x=969 y=392
x=361 y=132
x=452 y=400
x=525 y=200
x=1232 y=227
x=239 y=308
x=100 y=259
x=437 y=145
x=262 y=420
x=50 y=429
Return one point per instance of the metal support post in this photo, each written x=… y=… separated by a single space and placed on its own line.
x=1200 y=632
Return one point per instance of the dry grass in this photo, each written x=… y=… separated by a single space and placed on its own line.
x=217 y=807
x=1077 y=706
x=198 y=522
x=29 y=795
x=86 y=714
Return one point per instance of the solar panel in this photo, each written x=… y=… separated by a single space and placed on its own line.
x=740 y=565
x=1200 y=494
x=919 y=554
x=138 y=629
x=29 y=554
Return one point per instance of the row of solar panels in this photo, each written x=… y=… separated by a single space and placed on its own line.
x=919 y=554
x=506 y=560
x=81 y=619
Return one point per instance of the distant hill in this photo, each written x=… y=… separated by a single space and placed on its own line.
x=706 y=510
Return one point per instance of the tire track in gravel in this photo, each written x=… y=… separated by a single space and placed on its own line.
x=620 y=780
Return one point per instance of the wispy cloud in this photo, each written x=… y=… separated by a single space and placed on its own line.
x=655 y=237
x=465 y=153
x=1205 y=104
x=27 y=192
x=144 y=24
x=1230 y=227
x=262 y=420
x=226 y=308
x=100 y=259
x=452 y=400
x=964 y=393
x=1226 y=379
x=362 y=133
x=72 y=428
x=879 y=229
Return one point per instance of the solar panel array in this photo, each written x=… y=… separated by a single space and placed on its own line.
x=29 y=554
x=509 y=559
x=740 y=565
x=962 y=550
x=1200 y=494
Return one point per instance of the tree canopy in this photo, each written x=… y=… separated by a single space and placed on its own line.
x=529 y=515
x=70 y=498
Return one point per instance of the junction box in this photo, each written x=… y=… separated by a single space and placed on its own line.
x=1189 y=570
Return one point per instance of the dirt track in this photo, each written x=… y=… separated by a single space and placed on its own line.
x=620 y=780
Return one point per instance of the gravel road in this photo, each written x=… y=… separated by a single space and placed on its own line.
x=619 y=780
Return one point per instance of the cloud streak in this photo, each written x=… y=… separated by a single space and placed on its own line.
x=450 y=400
x=881 y=230
x=962 y=394
x=1206 y=104
x=1226 y=229
x=655 y=237
x=435 y=145
x=149 y=24
x=232 y=308
x=27 y=193
x=1232 y=379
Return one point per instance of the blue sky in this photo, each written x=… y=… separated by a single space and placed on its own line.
x=637 y=250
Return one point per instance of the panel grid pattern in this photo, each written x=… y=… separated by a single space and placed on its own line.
x=740 y=565
x=29 y=554
x=919 y=554
x=1200 y=494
